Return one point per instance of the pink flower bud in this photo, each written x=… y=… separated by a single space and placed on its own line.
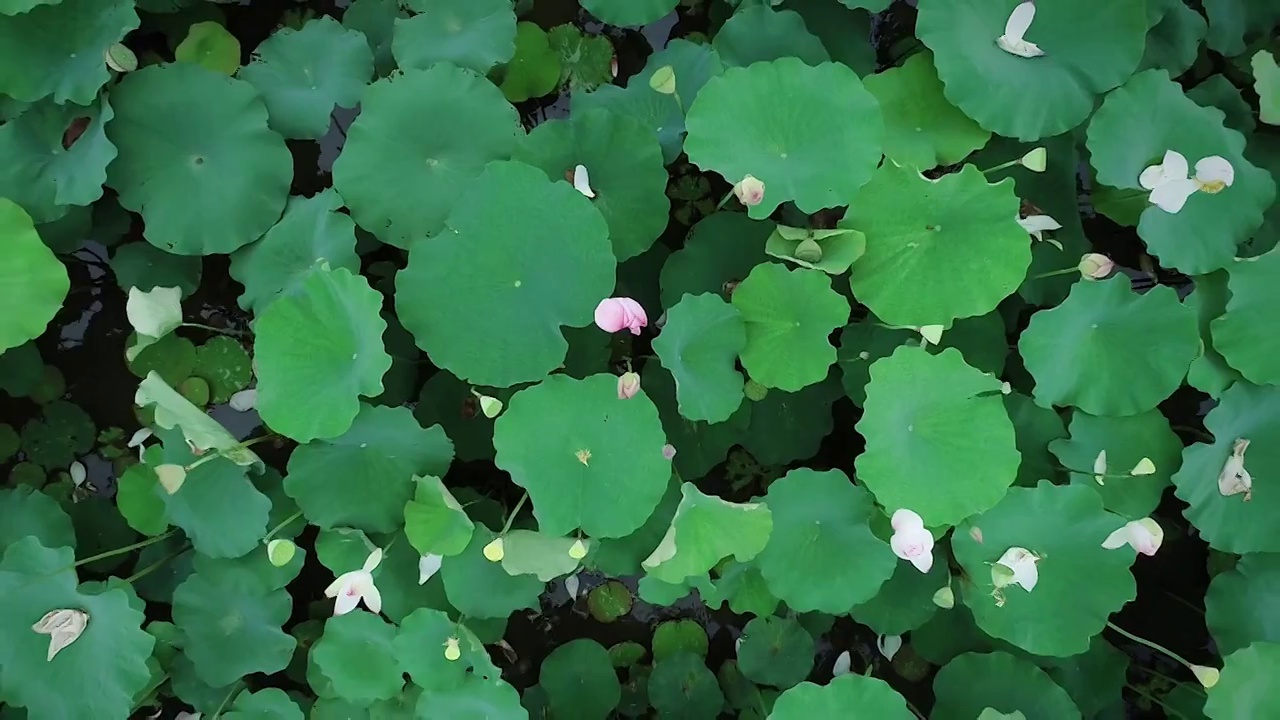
x=749 y=191
x=1094 y=266
x=668 y=451
x=614 y=314
x=628 y=385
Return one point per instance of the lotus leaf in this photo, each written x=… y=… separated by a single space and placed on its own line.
x=57 y=49
x=475 y=34
x=33 y=282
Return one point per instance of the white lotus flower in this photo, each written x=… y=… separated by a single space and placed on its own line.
x=843 y=664
x=428 y=566
x=352 y=587
x=582 y=181
x=244 y=401
x=1015 y=27
x=1019 y=568
x=1170 y=185
x=63 y=626
x=889 y=645
x=1037 y=225
x=1143 y=535
x=1234 y=478
x=910 y=540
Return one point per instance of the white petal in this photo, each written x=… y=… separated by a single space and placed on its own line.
x=844 y=662
x=1019 y=20
x=338 y=585
x=889 y=645
x=1152 y=177
x=347 y=601
x=428 y=566
x=371 y=563
x=154 y=313
x=582 y=181
x=139 y=437
x=1172 y=195
x=244 y=401
x=571 y=586
x=1148 y=536
x=1021 y=48
x=1117 y=539
x=1175 y=166
x=78 y=473
x=923 y=563
x=1027 y=575
x=1038 y=223
x=904 y=519
x=372 y=598
x=1215 y=169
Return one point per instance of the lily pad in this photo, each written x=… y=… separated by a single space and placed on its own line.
x=475 y=698
x=434 y=521
x=1210 y=372
x=223 y=363
x=705 y=530
x=789 y=315
x=629 y=12
x=720 y=251
x=534 y=70
x=585 y=60
x=421 y=650
x=700 y=445
x=785 y=427
x=681 y=686
x=1239 y=601
x=33 y=282
x=871 y=695
x=265 y=704
x=759 y=33
x=356 y=656
x=232 y=629
x=474 y=34
x=146 y=267
x=1241 y=690
x=62 y=432
x=34 y=514
x=973 y=682
x=775 y=651
x=1240 y=334
x=1126 y=441
x=481 y=588
x=905 y=601
x=1174 y=41
x=209 y=45
x=700 y=343
x=580 y=681
x=42 y=173
x=57 y=49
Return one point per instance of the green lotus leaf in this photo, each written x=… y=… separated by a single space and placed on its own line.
x=420 y=138
x=1218 y=92
x=700 y=343
x=534 y=69
x=817 y=158
x=1237 y=606
x=172 y=411
x=629 y=12
x=33 y=514
x=760 y=34
x=938 y=438
x=775 y=651
x=1210 y=372
x=146 y=267
x=1089 y=47
x=789 y=315
x=619 y=557
x=580 y=681
x=480 y=588
x=265 y=704
x=609 y=602
x=1174 y=41
x=922 y=129
x=139 y=504
x=700 y=445
x=1094 y=679
x=719 y=253
x=1126 y=441
x=844 y=31
x=434 y=522
x=975 y=681
x=1266 y=83
x=376 y=19
x=1036 y=428
x=905 y=601
x=785 y=427
x=21 y=370
x=474 y=34
x=61 y=433
x=232 y=629
x=58 y=49
x=33 y=282
x=1241 y=334
x=363 y=477
x=17 y=7
x=820 y=522
x=604 y=477
x=743 y=587
x=624 y=163
x=1241 y=690
x=210 y=46
x=704 y=530
x=957 y=235
x=1064 y=526
x=1134 y=128
x=476 y=698
x=1092 y=351
x=225 y=368
x=585 y=60
x=457 y=294
x=546 y=557
x=448 y=401
x=107 y=662
x=327 y=335
x=420 y=649
x=868 y=694
x=356 y=655
x=681 y=686
x=874 y=6
x=831 y=251
x=1231 y=23
x=1227 y=522
x=45 y=176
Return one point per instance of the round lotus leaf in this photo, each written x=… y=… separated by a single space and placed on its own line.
x=34 y=514
x=784 y=427
x=1238 y=605
x=1036 y=429
x=224 y=365
x=138 y=502
x=1210 y=372
x=61 y=433
x=869 y=695
x=1093 y=350
x=1089 y=47
x=586 y=60
x=1173 y=43
x=629 y=12
x=107 y=662
x=363 y=477
x=1240 y=523
x=546 y=557
x=579 y=680
x=820 y=521
x=146 y=267
x=957 y=236
x=619 y=557
x=420 y=138
x=376 y=19
x=448 y=402
x=938 y=438
x=759 y=34
x=746 y=122
x=1064 y=526
x=265 y=704
x=195 y=390
x=1126 y=441
x=700 y=446
x=682 y=686
x=474 y=34
x=775 y=651
x=21 y=369
x=328 y=335
x=304 y=73
x=704 y=530
x=475 y=698
x=975 y=681
x=609 y=602
x=210 y=46
x=588 y=459
x=699 y=343
x=421 y=648
x=494 y=281
x=480 y=588
x=1242 y=690
x=232 y=630
x=624 y=162
x=58 y=49
x=356 y=655
x=534 y=70
x=42 y=173
x=789 y=315
x=1134 y=128
x=905 y=601
x=720 y=251
x=33 y=282
x=9 y=442
x=216 y=147
x=922 y=129
x=844 y=31
x=1241 y=334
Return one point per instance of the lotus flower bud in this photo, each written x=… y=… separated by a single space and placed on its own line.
x=1094 y=266
x=668 y=451
x=749 y=191
x=494 y=552
x=754 y=391
x=452 y=650
x=1207 y=676
x=614 y=314
x=280 y=552
x=628 y=385
x=809 y=251
x=171 y=477
x=490 y=406
x=1036 y=160
x=578 y=550
x=663 y=80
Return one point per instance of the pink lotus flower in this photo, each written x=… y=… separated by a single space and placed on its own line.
x=668 y=451
x=911 y=541
x=614 y=314
x=628 y=385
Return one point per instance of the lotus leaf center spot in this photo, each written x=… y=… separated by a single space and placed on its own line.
x=583 y=456
x=518 y=283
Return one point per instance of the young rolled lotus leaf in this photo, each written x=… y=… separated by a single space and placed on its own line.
x=958 y=236
x=1238 y=601
x=704 y=531
x=789 y=315
x=271 y=703
x=364 y=477
x=209 y=45
x=938 y=438
x=57 y=49
x=624 y=161
x=434 y=522
x=831 y=251
x=775 y=651
x=605 y=476
x=820 y=521
x=759 y=34
x=922 y=129
x=1241 y=522
x=580 y=681
x=1135 y=127
x=481 y=588
x=422 y=649
x=970 y=684
x=683 y=686
x=1240 y=334
x=812 y=135
x=1086 y=49
x=326 y=335
x=34 y=514
x=1173 y=42
x=304 y=73
x=720 y=251
x=546 y=557
x=45 y=176
x=474 y=34
x=33 y=282
x=1126 y=441
x=1240 y=690
x=199 y=430
x=232 y=626
x=1061 y=529
x=534 y=70
x=868 y=694
x=495 y=282
x=1091 y=351
x=699 y=344
x=107 y=661
x=629 y=12
x=452 y=117
x=356 y=655
x=905 y=601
